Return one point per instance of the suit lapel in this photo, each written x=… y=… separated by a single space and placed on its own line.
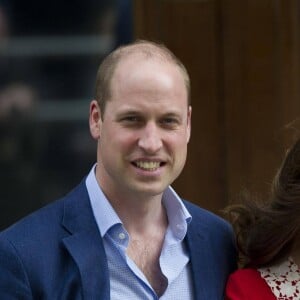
x=201 y=262
x=85 y=245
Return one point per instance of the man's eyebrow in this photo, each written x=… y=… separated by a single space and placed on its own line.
x=174 y=114
x=128 y=112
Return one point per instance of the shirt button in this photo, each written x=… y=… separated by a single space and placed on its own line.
x=122 y=236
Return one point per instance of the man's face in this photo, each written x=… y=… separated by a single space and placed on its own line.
x=145 y=129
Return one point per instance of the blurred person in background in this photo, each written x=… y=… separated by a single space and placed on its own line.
x=268 y=237
x=123 y=232
x=49 y=52
x=19 y=100
x=19 y=150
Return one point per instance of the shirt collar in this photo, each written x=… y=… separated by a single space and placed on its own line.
x=178 y=215
x=106 y=217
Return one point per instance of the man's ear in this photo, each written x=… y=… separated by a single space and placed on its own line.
x=95 y=119
x=189 y=123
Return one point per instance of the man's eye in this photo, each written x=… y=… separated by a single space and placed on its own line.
x=131 y=120
x=170 y=122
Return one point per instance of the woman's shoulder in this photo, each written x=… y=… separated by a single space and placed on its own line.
x=247 y=284
x=245 y=277
x=248 y=273
x=283 y=279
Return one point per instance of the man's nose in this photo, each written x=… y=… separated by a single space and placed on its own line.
x=150 y=139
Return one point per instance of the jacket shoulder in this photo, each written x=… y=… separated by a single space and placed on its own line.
x=205 y=217
x=43 y=221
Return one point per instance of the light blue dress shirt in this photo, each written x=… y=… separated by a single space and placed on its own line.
x=126 y=279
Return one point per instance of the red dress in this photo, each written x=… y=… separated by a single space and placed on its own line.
x=247 y=284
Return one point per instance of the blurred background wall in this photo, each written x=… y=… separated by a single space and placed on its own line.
x=243 y=58
x=49 y=55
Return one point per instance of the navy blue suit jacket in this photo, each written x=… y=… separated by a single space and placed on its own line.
x=57 y=253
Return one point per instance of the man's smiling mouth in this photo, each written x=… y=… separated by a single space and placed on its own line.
x=148 y=165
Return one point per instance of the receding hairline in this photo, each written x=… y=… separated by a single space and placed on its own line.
x=144 y=49
x=151 y=50
x=148 y=49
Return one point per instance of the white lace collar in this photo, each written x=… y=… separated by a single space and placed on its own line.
x=283 y=279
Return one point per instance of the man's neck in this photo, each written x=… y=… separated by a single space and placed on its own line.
x=138 y=211
x=144 y=220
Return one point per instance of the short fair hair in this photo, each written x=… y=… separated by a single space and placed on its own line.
x=148 y=49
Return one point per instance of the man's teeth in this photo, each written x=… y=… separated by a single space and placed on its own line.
x=148 y=165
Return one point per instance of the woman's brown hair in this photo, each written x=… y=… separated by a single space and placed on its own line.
x=266 y=231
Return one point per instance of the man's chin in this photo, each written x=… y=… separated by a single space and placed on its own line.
x=146 y=190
